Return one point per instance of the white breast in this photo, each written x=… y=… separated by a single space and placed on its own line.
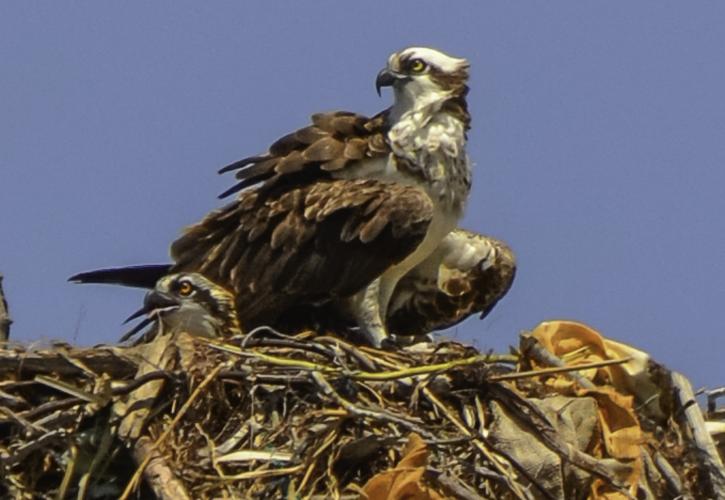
x=192 y=319
x=434 y=148
x=434 y=144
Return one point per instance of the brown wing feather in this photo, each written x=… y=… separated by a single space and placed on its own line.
x=332 y=142
x=468 y=274
x=304 y=245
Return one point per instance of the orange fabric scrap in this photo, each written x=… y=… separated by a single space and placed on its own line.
x=576 y=343
x=405 y=481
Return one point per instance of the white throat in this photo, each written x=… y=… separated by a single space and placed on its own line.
x=416 y=100
x=192 y=319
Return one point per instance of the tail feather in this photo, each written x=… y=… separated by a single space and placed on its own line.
x=144 y=276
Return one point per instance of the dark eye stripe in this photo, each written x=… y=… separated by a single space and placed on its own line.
x=204 y=297
x=408 y=62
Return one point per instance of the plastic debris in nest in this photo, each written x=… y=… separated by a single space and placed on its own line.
x=268 y=415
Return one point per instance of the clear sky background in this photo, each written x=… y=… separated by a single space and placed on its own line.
x=598 y=138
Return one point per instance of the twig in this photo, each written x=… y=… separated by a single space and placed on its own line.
x=668 y=472
x=158 y=474
x=353 y=409
x=712 y=397
x=23 y=451
x=142 y=380
x=556 y=369
x=694 y=417
x=51 y=406
x=275 y=360
x=264 y=378
x=326 y=443
x=131 y=486
x=263 y=328
x=533 y=348
x=358 y=374
x=421 y=370
x=256 y=474
x=5 y=320
x=70 y=468
x=69 y=389
x=351 y=350
x=103 y=448
x=100 y=360
x=702 y=440
x=30 y=427
x=459 y=489
x=480 y=445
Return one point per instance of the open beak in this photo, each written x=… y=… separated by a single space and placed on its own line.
x=385 y=78
x=154 y=303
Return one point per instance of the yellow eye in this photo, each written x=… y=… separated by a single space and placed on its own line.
x=417 y=66
x=185 y=288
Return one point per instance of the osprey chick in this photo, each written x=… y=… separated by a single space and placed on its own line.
x=190 y=303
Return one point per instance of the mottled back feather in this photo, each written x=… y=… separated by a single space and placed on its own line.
x=331 y=143
x=306 y=244
x=468 y=274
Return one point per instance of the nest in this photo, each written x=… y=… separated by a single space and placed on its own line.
x=310 y=416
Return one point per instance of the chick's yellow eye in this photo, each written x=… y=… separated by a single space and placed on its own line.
x=416 y=65
x=185 y=288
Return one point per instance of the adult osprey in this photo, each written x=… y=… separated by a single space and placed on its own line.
x=468 y=273
x=339 y=211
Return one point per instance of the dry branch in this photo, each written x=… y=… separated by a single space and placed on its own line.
x=159 y=475
x=711 y=464
x=57 y=361
x=5 y=320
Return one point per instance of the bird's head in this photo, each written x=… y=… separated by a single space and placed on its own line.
x=189 y=302
x=423 y=75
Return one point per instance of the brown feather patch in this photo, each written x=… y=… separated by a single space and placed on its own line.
x=424 y=302
x=326 y=149
x=305 y=244
x=333 y=142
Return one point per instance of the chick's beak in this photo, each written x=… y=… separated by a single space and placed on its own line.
x=154 y=301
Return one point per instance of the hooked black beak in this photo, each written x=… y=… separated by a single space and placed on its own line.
x=154 y=301
x=385 y=79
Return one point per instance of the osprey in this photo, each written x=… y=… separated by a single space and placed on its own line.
x=339 y=211
x=190 y=303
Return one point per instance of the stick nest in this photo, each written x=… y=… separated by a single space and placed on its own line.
x=272 y=416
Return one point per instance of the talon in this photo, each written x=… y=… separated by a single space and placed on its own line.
x=388 y=344
x=375 y=337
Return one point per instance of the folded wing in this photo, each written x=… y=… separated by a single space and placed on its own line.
x=303 y=245
x=467 y=274
x=332 y=142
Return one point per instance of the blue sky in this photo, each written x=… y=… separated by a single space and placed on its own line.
x=598 y=138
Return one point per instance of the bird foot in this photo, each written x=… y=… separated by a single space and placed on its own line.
x=396 y=342
x=376 y=336
x=409 y=340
